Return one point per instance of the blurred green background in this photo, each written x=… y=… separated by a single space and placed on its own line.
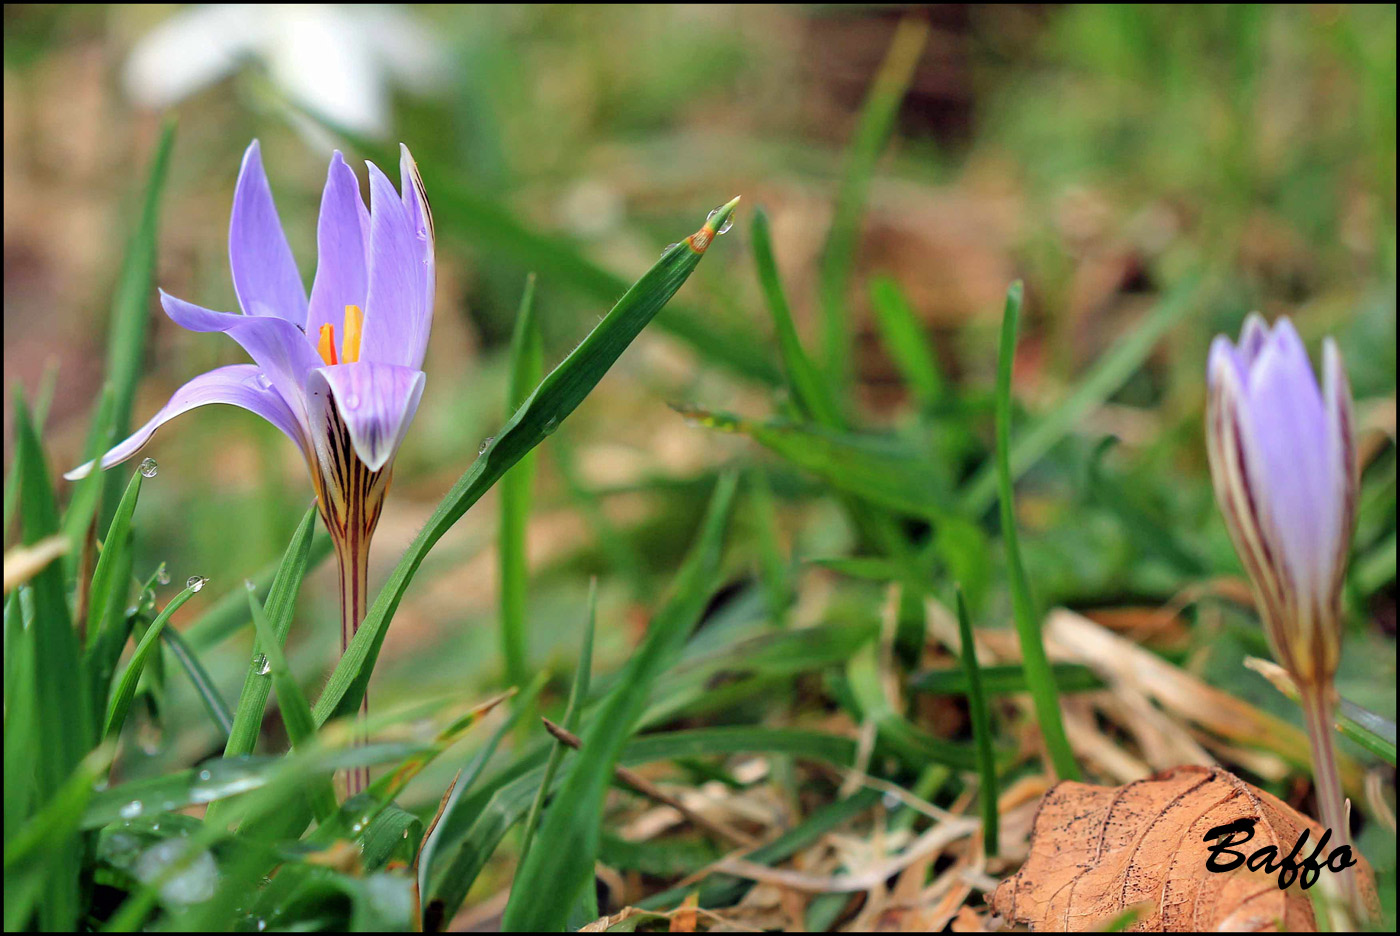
x=1103 y=154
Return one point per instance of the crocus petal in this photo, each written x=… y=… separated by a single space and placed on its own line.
x=1341 y=448
x=238 y=384
x=420 y=219
x=342 y=240
x=264 y=272
x=1293 y=474
x=1252 y=338
x=278 y=347
x=375 y=401
x=395 y=330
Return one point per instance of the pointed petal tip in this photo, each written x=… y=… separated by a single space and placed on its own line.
x=80 y=472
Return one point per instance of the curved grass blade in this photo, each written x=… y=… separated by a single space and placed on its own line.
x=981 y=730
x=526 y=368
x=1002 y=680
x=883 y=470
x=577 y=693
x=561 y=391
x=1039 y=679
x=774 y=570
x=120 y=704
x=296 y=711
x=905 y=342
x=549 y=882
x=105 y=576
x=876 y=120
x=917 y=747
x=13 y=480
x=281 y=602
x=204 y=687
x=805 y=382
x=510 y=799
x=82 y=506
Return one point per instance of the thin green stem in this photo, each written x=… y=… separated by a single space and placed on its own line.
x=1039 y=677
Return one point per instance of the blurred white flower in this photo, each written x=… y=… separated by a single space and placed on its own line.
x=337 y=61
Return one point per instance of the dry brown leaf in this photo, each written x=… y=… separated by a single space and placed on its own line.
x=1096 y=851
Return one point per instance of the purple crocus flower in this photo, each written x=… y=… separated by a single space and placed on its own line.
x=1283 y=458
x=340 y=374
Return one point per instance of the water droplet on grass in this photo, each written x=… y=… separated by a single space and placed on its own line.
x=485 y=444
x=162 y=576
x=195 y=582
x=131 y=810
x=148 y=468
x=728 y=222
x=264 y=665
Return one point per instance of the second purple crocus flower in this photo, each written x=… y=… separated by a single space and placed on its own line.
x=1283 y=459
x=340 y=373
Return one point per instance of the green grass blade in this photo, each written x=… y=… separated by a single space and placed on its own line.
x=561 y=391
x=549 y=883
x=126 y=339
x=1039 y=678
x=903 y=336
x=773 y=567
x=1101 y=381
x=700 y=682
x=885 y=471
x=291 y=701
x=125 y=691
x=60 y=708
x=281 y=602
x=199 y=678
x=82 y=507
x=509 y=801
x=577 y=693
x=105 y=579
x=805 y=383
x=1366 y=728
x=42 y=400
x=229 y=614
x=915 y=746
x=876 y=121
x=526 y=369
x=1001 y=680
x=981 y=731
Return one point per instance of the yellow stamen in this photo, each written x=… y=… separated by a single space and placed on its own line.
x=326 y=344
x=354 y=324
